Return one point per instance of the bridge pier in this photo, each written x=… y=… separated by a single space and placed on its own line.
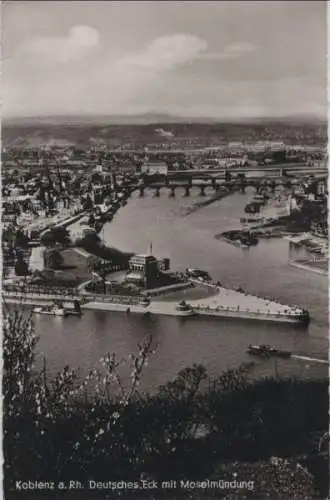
x=172 y=192
x=202 y=190
x=141 y=189
x=157 y=192
x=187 y=191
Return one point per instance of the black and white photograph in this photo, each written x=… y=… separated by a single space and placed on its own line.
x=165 y=323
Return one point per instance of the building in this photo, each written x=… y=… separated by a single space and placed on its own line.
x=154 y=167
x=85 y=231
x=164 y=264
x=143 y=270
x=321 y=187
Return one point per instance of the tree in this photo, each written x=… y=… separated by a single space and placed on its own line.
x=88 y=203
x=53 y=259
x=21 y=240
x=55 y=235
x=61 y=235
x=21 y=267
x=48 y=239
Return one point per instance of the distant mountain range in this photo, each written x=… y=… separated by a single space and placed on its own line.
x=148 y=119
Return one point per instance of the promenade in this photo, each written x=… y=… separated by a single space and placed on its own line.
x=237 y=301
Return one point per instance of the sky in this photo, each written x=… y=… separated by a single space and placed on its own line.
x=194 y=59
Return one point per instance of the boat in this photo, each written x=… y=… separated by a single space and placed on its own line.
x=198 y=274
x=53 y=310
x=59 y=310
x=266 y=351
x=184 y=309
x=76 y=311
x=145 y=301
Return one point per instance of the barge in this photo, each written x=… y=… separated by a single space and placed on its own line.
x=267 y=351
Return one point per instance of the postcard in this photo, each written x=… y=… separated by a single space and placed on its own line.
x=165 y=250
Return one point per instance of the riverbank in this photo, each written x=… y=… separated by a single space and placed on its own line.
x=204 y=203
x=308 y=267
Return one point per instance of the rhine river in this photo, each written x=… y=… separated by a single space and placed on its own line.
x=218 y=344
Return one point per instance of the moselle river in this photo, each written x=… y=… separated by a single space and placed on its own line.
x=217 y=343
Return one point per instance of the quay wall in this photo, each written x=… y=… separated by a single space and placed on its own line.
x=236 y=314
x=22 y=297
x=306 y=267
x=156 y=307
x=36 y=302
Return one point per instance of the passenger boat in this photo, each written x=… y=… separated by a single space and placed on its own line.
x=267 y=351
x=184 y=309
x=53 y=310
x=59 y=310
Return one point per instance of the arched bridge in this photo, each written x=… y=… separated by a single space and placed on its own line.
x=224 y=179
x=204 y=185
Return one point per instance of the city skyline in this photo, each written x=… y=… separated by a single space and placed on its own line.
x=192 y=59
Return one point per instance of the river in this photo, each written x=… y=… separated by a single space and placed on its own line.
x=216 y=343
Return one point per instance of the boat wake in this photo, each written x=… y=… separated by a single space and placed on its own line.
x=307 y=358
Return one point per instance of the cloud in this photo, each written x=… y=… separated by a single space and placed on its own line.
x=79 y=41
x=169 y=52
x=163 y=133
x=232 y=51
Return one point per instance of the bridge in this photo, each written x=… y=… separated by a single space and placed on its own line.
x=203 y=185
x=223 y=179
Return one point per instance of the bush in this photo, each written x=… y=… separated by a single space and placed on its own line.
x=53 y=259
x=21 y=268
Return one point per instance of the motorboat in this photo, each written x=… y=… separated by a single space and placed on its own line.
x=267 y=351
x=184 y=309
